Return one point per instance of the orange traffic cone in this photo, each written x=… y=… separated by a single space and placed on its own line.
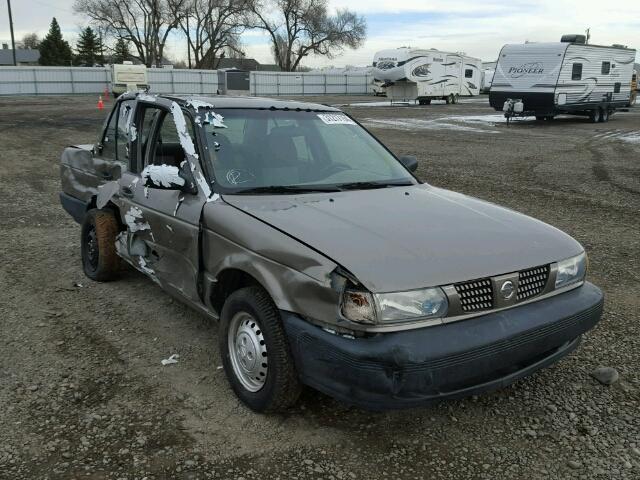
x=100 y=103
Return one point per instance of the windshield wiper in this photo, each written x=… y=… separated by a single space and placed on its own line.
x=371 y=185
x=288 y=189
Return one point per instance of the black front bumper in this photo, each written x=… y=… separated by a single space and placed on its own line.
x=417 y=367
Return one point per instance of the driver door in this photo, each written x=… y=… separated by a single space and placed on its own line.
x=162 y=235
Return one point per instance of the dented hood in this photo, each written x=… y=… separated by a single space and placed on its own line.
x=403 y=238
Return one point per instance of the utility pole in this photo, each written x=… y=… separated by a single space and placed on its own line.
x=13 y=41
x=588 y=35
x=188 y=43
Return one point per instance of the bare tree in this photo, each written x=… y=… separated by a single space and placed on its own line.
x=213 y=27
x=299 y=28
x=30 y=40
x=144 y=23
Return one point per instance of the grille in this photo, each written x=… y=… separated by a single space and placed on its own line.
x=531 y=282
x=476 y=295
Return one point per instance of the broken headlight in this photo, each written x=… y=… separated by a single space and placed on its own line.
x=380 y=308
x=571 y=270
x=358 y=306
x=411 y=305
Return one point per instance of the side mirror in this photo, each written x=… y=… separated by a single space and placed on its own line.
x=169 y=177
x=410 y=162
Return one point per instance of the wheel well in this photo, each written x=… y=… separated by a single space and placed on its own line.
x=109 y=206
x=227 y=282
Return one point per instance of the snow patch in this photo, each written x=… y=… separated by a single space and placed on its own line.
x=162 y=175
x=134 y=220
x=421 y=124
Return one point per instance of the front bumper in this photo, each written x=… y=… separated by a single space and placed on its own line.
x=417 y=367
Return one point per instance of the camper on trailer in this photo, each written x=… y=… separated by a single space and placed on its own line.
x=566 y=77
x=411 y=74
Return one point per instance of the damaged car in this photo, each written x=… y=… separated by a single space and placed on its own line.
x=326 y=261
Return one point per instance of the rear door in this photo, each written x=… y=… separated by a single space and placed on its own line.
x=162 y=236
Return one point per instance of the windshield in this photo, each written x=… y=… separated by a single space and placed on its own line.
x=276 y=151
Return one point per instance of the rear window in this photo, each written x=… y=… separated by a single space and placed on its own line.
x=468 y=73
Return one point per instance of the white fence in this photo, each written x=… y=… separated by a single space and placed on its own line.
x=75 y=80
x=71 y=80
x=52 y=80
x=309 y=83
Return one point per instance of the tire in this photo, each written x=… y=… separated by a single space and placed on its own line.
x=249 y=317
x=594 y=116
x=100 y=261
x=540 y=118
x=449 y=99
x=456 y=98
x=604 y=115
x=549 y=118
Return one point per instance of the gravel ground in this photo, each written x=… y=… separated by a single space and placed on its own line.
x=83 y=392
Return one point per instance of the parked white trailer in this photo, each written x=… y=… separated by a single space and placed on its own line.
x=487 y=79
x=570 y=77
x=412 y=74
x=127 y=76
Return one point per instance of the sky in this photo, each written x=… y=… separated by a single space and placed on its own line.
x=478 y=28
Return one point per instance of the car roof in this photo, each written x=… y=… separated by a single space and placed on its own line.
x=230 y=101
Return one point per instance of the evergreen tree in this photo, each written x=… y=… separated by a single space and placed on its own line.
x=89 y=48
x=121 y=51
x=54 y=50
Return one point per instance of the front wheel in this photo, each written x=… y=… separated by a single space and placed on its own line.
x=255 y=352
x=604 y=115
x=449 y=99
x=594 y=116
x=100 y=260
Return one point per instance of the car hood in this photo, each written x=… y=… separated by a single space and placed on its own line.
x=403 y=238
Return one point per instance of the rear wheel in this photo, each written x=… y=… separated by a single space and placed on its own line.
x=100 y=261
x=449 y=99
x=255 y=352
x=594 y=116
x=604 y=115
x=456 y=98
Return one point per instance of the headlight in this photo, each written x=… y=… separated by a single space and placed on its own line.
x=403 y=306
x=358 y=306
x=571 y=270
x=364 y=307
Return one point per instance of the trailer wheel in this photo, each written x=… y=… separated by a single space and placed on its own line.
x=424 y=101
x=604 y=115
x=449 y=99
x=456 y=98
x=594 y=116
x=540 y=118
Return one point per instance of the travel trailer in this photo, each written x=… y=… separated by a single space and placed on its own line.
x=128 y=77
x=412 y=74
x=566 y=77
x=487 y=78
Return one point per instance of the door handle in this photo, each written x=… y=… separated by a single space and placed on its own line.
x=126 y=192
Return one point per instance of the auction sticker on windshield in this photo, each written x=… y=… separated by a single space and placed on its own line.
x=335 y=119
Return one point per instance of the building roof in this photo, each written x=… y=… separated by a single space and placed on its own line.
x=246 y=64
x=23 y=55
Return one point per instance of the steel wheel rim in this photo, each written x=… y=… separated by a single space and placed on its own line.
x=247 y=351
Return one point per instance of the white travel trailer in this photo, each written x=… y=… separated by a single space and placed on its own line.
x=487 y=78
x=425 y=75
x=570 y=77
x=127 y=76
